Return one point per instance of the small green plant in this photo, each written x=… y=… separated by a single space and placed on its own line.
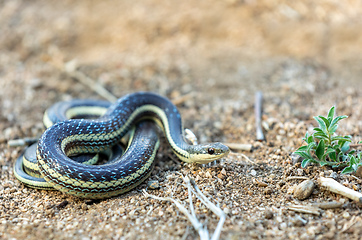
x=325 y=147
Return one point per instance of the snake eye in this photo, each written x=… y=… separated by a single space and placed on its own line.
x=211 y=151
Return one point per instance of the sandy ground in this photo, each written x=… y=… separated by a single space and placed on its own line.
x=304 y=56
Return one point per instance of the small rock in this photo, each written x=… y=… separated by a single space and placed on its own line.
x=296 y=158
x=253 y=173
x=359 y=172
x=346 y=215
x=334 y=175
x=63 y=204
x=268 y=214
x=300 y=172
x=299 y=221
x=208 y=175
x=304 y=189
x=153 y=184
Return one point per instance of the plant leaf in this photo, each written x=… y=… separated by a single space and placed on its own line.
x=302 y=148
x=305 y=162
x=345 y=147
x=337 y=119
x=320 y=150
x=325 y=120
x=333 y=129
x=333 y=156
x=303 y=154
x=331 y=112
x=340 y=138
x=347 y=170
x=329 y=150
x=310 y=139
x=321 y=123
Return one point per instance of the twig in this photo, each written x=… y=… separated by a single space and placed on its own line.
x=349 y=224
x=197 y=225
x=216 y=210
x=356 y=145
x=240 y=146
x=334 y=186
x=244 y=156
x=203 y=232
x=183 y=98
x=296 y=178
x=305 y=209
x=190 y=136
x=70 y=68
x=258 y=112
x=327 y=205
x=22 y=142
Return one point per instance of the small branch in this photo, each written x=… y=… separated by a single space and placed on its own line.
x=70 y=69
x=356 y=145
x=244 y=156
x=334 y=186
x=203 y=232
x=305 y=209
x=296 y=178
x=349 y=224
x=197 y=225
x=327 y=205
x=190 y=137
x=258 y=112
x=183 y=98
x=22 y=142
x=240 y=146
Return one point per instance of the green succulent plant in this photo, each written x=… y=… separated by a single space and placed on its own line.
x=325 y=147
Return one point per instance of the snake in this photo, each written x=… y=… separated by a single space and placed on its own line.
x=26 y=169
x=141 y=111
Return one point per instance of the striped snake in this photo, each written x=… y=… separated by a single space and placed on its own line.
x=78 y=136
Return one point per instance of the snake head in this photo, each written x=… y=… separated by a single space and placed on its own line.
x=205 y=153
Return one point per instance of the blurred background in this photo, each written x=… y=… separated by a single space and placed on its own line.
x=299 y=53
x=305 y=56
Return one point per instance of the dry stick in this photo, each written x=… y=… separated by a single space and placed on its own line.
x=349 y=224
x=22 y=142
x=240 y=146
x=296 y=178
x=244 y=156
x=203 y=232
x=216 y=210
x=197 y=225
x=183 y=98
x=304 y=209
x=258 y=111
x=334 y=186
x=70 y=68
x=355 y=145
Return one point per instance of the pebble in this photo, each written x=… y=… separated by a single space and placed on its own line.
x=153 y=184
x=253 y=173
x=334 y=175
x=226 y=210
x=358 y=173
x=300 y=172
x=299 y=221
x=304 y=189
x=346 y=215
x=296 y=158
x=268 y=214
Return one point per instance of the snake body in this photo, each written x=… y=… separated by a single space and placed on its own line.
x=76 y=136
